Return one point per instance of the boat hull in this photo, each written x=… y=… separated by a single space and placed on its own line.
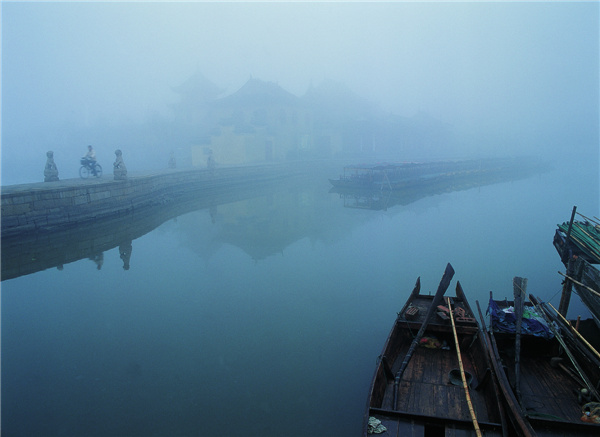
x=426 y=400
x=545 y=402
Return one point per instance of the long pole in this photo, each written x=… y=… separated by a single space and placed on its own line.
x=580 y=284
x=571 y=224
x=518 y=417
x=462 y=372
x=561 y=340
x=575 y=331
x=444 y=283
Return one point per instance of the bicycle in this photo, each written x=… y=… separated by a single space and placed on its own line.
x=89 y=167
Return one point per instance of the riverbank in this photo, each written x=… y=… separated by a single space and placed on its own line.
x=50 y=206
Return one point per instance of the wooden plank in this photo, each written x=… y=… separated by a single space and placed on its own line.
x=392 y=425
x=404 y=392
x=387 y=397
x=431 y=364
x=411 y=429
x=424 y=400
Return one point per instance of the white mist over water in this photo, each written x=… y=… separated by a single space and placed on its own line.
x=200 y=338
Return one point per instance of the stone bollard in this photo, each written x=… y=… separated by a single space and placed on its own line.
x=120 y=171
x=172 y=163
x=50 y=171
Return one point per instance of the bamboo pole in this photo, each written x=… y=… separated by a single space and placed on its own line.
x=590 y=246
x=591 y=251
x=596 y=221
x=581 y=337
x=561 y=340
x=589 y=219
x=580 y=284
x=462 y=372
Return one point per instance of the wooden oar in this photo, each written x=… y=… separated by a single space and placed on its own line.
x=518 y=416
x=462 y=371
x=485 y=340
x=519 y=287
x=444 y=283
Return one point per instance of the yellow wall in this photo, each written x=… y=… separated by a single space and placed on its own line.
x=286 y=130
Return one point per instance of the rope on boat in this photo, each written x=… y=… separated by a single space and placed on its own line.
x=462 y=372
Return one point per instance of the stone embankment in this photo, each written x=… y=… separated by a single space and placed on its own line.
x=48 y=206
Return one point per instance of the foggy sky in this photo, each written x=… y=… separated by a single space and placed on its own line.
x=524 y=72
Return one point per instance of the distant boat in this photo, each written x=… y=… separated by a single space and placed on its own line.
x=418 y=386
x=398 y=176
x=385 y=176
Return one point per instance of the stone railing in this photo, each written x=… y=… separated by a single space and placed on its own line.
x=48 y=206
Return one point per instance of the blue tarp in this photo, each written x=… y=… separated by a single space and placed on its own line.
x=505 y=321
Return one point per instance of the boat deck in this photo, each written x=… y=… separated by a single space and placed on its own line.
x=426 y=387
x=425 y=390
x=559 y=391
x=549 y=391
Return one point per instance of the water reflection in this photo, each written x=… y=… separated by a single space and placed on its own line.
x=27 y=254
x=125 y=253
x=260 y=220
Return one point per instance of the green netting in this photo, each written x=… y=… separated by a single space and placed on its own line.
x=586 y=237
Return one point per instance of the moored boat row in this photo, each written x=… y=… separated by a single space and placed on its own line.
x=400 y=176
x=529 y=373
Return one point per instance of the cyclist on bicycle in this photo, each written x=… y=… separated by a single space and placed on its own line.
x=90 y=159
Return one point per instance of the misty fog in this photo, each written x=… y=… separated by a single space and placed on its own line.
x=440 y=80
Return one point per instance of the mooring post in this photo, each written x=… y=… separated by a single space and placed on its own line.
x=567 y=256
x=565 y=297
x=570 y=226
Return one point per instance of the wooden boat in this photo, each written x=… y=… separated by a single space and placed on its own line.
x=375 y=177
x=578 y=244
x=542 y=370
x=418 y=388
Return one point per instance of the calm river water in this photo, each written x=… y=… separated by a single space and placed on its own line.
x=264 y=315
